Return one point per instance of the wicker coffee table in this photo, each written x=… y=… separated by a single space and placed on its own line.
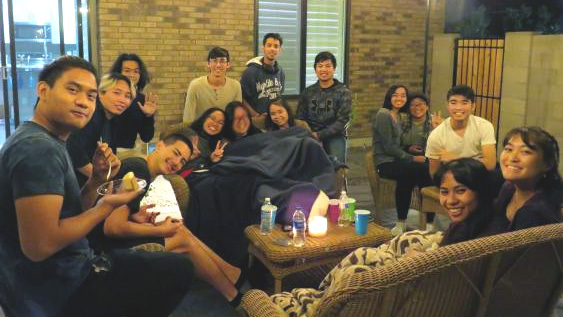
x=285 y=260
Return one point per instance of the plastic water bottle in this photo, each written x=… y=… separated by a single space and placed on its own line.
x=343 y=219
x=266 y=218
x=299 y=227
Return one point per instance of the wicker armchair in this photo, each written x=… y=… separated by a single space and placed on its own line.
x=383 y=191
x=513 y=274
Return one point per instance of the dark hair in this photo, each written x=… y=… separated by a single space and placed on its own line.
x=53 y=71
x=229 y=119
x=197 y=126
x=540 y=140
x=475 y=176
x=270 y=125
x=387 y=101
x=407 y=124
x=144 y=77
x=174 y=137
x=218 y=52
x=462 y=90
x=325 y=56
x=275 y=36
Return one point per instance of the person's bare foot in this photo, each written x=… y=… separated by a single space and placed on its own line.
x=233 y=274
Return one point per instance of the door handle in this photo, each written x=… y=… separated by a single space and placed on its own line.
x=4 y=73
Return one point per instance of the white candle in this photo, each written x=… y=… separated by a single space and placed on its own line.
x=317 y=226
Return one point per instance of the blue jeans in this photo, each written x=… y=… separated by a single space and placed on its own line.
x=336 y=146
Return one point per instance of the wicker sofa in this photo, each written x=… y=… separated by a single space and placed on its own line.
x=513 y=274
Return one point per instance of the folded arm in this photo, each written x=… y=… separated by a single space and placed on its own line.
x=489 y=156
x=118 y=225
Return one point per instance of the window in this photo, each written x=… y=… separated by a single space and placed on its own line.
x=34 y=34
x=307 y=27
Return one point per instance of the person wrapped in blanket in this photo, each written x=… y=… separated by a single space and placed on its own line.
x=285 y=165
x=465 y=195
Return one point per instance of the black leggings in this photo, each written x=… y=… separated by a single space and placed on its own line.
x=138 y=283
x=408 y=174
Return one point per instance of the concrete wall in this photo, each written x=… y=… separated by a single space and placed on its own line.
x=515 y=81
x=533 y=83
x=173 y=37
x=442 y=71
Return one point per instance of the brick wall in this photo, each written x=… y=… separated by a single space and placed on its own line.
x=386 y=48
x=173 y=38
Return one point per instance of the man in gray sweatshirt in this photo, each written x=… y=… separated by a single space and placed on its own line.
x=326 y=106
x=263 y=81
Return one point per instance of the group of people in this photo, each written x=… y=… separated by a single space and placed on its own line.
x=84 y=248
x=67 y=251
x=410 y=143
x=530 y=196
x=324 y=107
x=48 y=266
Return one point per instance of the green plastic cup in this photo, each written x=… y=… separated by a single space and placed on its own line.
x=351 y=208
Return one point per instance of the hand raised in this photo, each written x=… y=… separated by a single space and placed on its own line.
x=102 y=161
x=217 y=155
x=150 y=106
x=195 y=142
x=436 y=119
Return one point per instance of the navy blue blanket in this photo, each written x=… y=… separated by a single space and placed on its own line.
x=281 y=165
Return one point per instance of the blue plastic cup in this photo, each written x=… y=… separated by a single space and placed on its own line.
x=362 y=219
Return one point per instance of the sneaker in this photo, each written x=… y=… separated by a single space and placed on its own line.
x=397 y=230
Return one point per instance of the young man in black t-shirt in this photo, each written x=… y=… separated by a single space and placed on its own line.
x=45 y=216
x=133 y=225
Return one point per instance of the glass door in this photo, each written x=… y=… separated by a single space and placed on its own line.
x=34 y=33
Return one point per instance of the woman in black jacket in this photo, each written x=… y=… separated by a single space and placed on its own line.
x=139 y=117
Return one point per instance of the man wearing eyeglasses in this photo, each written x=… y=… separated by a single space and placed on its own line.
x=213 y=90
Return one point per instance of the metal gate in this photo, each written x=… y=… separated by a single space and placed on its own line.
x=478 y=64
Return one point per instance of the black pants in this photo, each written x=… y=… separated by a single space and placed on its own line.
x=408 y=174
x=138 y=283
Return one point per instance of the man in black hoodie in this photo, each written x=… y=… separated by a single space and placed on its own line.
x=263 y=80
x=326 y=106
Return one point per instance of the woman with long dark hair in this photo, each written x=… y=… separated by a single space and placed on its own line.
x=418 y=124
x=280 y=117
x=139 y=117
x=533 y=192
x=465 y=194
x=238 y=124
x=392 y=161
x=209 y=128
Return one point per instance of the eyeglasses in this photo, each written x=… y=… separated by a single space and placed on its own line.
x=220 y=61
